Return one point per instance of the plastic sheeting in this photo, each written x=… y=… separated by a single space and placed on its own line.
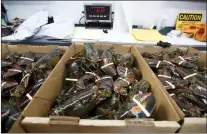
x=30 y=26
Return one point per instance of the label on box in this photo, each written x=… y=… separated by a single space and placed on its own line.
x=139 y=122
x=184 y=19
x=63 y=120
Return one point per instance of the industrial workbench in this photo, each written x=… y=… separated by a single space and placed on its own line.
x=113 y=37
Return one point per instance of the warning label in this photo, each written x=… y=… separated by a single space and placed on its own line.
x=188 y=19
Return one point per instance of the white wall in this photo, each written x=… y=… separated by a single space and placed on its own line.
x=61 y=10
x=142 y=12
x=149 y=11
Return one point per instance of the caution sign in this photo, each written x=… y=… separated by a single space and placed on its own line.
x=192 y=19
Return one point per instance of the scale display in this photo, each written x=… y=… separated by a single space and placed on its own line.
x=98 y=10
x=98 y=13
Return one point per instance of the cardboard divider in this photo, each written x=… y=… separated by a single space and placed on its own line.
x=37 y=106
x=36 y=113
x=189 y=124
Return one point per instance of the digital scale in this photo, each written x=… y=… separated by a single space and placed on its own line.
x=98 y=16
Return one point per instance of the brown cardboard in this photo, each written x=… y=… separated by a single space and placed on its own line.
x=63 y=120
x=36 y=113
x=20 y=48
x=36 y=124
x=189 y=124
x=193 y=125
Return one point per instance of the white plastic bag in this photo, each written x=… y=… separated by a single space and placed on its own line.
x=30 y=26
x=61 y=30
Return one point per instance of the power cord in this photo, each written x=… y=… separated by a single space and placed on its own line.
x=81 y=19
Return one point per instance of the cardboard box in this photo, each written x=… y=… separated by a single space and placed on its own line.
x=193 y=125
x=36 y=113
x=22 y=49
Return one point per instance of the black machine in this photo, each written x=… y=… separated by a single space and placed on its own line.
x=98 y=16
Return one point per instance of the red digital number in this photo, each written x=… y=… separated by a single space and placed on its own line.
x=102 y=10
x=97 y=10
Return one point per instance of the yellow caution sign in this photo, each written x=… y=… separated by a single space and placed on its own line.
x=192 y=19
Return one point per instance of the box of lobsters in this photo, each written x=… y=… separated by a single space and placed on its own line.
x=182 y=73
x=101 y=88
x=24 y=69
